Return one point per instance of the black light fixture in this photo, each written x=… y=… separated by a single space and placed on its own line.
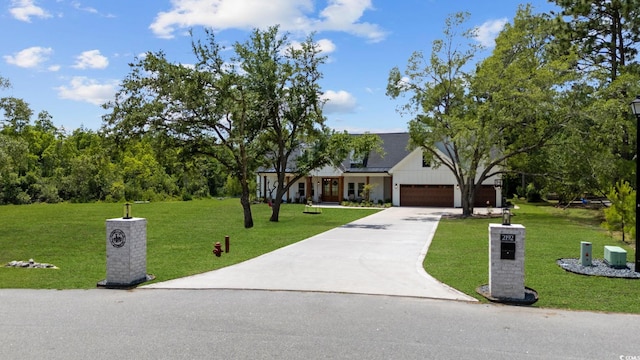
x=497 y=183
x=635 y=110
x=127 y=211
x=506 y=216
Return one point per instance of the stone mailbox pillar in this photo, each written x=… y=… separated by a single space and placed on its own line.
x=506 y=261
x=126 y=252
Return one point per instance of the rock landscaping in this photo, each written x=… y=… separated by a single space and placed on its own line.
x=598 y=268
x=30 y=264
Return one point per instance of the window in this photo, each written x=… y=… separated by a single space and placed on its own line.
x=351 y=190
x=425 y=163
x=360 y=189
x=301 y=189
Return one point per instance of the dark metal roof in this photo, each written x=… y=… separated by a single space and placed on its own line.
x=395 y=146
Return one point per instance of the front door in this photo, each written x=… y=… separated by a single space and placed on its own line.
x=330 y=191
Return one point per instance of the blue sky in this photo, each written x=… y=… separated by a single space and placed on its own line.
x=68 y=57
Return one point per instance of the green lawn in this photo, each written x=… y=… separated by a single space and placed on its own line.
x=458 y=256
x=180 y=237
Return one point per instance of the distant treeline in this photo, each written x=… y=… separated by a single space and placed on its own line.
x=41 y=163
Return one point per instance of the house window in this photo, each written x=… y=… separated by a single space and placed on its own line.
x=425 y=163
x=301 y=189
x=351 y=190
x=360 y=189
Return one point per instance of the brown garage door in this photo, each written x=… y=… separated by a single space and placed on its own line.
x=426 y=195
x=484 y=194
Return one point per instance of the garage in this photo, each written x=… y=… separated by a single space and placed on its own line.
x=426 y=195
x=483 y=194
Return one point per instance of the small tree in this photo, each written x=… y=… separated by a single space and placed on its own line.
x=366 y=192
x=621 y=216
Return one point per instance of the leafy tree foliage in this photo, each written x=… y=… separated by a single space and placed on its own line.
x=597 y=145
x=284 y=79
x=621 y=215
x=207 y=109
x=605 y=32
x=472 y=122
x=40 y=163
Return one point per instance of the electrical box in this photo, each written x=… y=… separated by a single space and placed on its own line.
x=585 y=253
x=615 y=257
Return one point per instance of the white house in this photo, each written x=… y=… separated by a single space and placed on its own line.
x=400 y=177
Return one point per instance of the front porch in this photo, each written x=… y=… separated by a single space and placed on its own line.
x=330 y=189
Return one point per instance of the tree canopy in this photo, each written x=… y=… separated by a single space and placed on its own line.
x=473 y=120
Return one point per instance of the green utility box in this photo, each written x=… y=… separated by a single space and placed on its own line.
x=615 y=257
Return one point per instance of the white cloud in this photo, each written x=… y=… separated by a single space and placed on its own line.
x=338 y=102
x=489 y=30
x=343 y=15
x=23 y=10
x=91 y=59
x=292 y=15
x=325 y=46
x=29 y=57
x=88 y=90
x=54 y=68
x=79 y=6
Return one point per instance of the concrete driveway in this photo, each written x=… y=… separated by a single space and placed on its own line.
x=380 y=254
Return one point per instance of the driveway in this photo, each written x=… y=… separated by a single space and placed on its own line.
x=380 y=254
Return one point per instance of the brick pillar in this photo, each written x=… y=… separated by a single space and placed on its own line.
x=126 y=252
x=506 y=261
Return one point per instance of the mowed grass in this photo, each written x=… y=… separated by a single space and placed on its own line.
x=458 y=256
x=180 y=238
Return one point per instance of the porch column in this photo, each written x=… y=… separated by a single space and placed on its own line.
x=264 y=186
x=391 y=189
x=287 y=182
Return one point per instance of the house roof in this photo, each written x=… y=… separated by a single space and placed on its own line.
x=395 y=146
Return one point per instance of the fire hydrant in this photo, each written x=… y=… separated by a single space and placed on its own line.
x=217 y=249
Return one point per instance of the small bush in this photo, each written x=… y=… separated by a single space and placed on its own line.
x=533 y=194
x=621 y=216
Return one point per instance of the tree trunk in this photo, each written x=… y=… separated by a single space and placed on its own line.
x=246 y=206
x=280 y=191
x=275 y=210
x=467 y=200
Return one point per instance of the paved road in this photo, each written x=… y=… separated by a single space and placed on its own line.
x=380 y=254
x=237 y=324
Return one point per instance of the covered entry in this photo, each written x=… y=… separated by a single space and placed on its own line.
x=426 y=195
x=330 y=191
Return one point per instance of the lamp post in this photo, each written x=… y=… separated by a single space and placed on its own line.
x=635 y=109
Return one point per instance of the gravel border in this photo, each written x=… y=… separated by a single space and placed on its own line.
x=598 y=268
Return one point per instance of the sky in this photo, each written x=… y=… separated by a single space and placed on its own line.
x=69 y=57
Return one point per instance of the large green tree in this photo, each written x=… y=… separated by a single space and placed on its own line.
x=254 y=107
x=606 y=33
x=598 y=143
x=287 y=102
x=473 y=122
x=204 y=109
